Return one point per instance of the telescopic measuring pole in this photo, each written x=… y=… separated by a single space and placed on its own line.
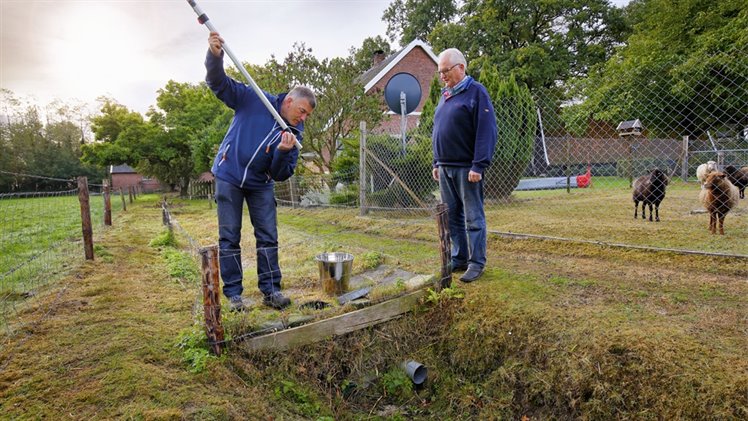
x=203 y=19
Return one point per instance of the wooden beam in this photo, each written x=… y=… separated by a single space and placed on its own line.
x=392 y=173
x=86 y=226
x=336 y=326
x=212 y=298
x=445 y=246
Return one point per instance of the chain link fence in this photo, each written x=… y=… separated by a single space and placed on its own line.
x=568 y=169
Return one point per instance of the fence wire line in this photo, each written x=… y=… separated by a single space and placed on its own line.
x=249 y=252
x=40 y=240
x=305 y=286
x=40 y=177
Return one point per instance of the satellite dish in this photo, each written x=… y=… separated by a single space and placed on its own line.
x=407 y=84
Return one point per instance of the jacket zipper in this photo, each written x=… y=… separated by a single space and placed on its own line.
x=223 y=155
x=255 y=154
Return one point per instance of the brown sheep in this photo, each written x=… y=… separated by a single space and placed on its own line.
x=718 y=197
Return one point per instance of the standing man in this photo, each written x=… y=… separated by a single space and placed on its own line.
x=254 y=153
x=463 y=139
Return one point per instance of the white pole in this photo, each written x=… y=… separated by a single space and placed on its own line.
x=403 y=118
x=203 y=18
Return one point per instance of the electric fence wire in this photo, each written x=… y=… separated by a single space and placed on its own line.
x=39 y=240
x=306 y=285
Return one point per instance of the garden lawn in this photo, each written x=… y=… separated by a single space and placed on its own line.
x=553 y=330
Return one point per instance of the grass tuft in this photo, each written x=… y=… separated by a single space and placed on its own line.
x=164 y=239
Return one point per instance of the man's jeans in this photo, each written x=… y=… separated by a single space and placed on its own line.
x=467 y=221
x=261 y=202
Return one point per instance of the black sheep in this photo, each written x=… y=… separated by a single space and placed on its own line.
x=738 y=177
x=650 y=190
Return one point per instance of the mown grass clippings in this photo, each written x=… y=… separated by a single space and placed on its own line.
x=106 y=349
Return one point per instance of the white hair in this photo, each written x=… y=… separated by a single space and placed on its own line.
x=453 y=56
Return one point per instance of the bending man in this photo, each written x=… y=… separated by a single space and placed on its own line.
x=254 y=153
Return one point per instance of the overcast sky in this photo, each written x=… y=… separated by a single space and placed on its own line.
x=127 y=49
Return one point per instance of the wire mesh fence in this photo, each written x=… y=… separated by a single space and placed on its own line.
x=41 y=237
x=567 y=167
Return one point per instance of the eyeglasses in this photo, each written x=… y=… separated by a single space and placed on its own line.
x=444 y=72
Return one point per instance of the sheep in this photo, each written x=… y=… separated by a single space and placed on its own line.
x=738 y=178
x=650 y=190
x=703 y=170
x=718 y=197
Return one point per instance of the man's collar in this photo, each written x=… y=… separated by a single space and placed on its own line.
x=459 y=87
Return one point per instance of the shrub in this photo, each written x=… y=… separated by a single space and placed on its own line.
x=517 y=119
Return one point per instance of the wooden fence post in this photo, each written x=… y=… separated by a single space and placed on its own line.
x=107 y=205
x=445 y=246
x=165 y=216
x=85 y=217
x=684 y=165
x=212 y=298
x=122 y=196
x=129 y=192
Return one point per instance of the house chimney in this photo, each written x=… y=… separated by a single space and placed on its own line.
x=377 y=57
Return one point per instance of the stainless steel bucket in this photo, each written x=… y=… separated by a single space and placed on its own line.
x=335 y=271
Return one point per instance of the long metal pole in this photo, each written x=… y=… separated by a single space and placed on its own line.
x=203 y=19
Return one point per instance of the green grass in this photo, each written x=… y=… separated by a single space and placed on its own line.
x=605 y=213
x=39 y=236
x=553 y=330
x=32 y=225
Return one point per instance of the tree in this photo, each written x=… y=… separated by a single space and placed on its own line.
x=411 y=19
x=113 y=119
x=197 y=115
x=29 y=146
x=682 y=72
x=362 y=56
x=429 y=106
x=517 y=123
x=540 y=42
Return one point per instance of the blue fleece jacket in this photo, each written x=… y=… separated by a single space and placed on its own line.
x=465 y=132
x=248 y=156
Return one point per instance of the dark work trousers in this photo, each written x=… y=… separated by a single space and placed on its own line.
x=467 y=220
x=262 y=214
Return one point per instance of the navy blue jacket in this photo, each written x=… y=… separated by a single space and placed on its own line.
x=248 y=156
x=465 y=132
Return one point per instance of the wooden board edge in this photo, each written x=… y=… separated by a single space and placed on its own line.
x=338 y=325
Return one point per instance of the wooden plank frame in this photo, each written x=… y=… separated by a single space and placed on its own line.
x=338 y=325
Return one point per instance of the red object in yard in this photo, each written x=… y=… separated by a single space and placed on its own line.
x=584 y=179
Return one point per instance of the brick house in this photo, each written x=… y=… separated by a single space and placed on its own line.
x=124 y=176
x=416 y=58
